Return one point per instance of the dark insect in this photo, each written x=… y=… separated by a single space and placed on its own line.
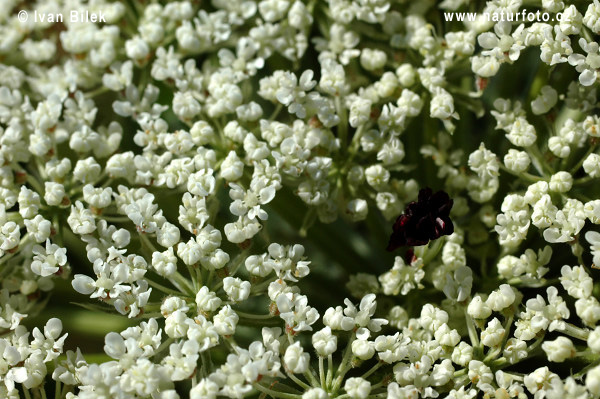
x=423 y=220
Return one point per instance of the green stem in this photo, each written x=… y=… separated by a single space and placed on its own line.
x=373 y=369
x=254 y=316
x=260 y=323
x=538 y=160
x=192 y=274
x=162 y=288
x=583 y=180
x=164 y=345
x=534 y=346
x=343 y=367
x=100 y=90
x=9 y=255
x=35 y=184
x=322 y=372
x=297 y=380
x=355 y=144
x=584 y=370
x=524 y=175
x=329 y=378
x=275 y=394
x=576 y=332
x=276 y=111
x=311 y=377
x=146 y=241
x=184 y=282
x=578 y=165
x=343 y=126
x=66 y=389
x=115 y=219
x=471 y=328
x=57 y=390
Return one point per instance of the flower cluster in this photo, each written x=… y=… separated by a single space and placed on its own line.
x=176 y=164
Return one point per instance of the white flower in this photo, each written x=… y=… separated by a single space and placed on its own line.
x=432 y=318
x=555 y=48
x=484 y=162
x=296 y=360
x=593 y=340
x=81 y=220
x=203 y=332
x=315 y=393
x=9 y=234
x=336 y=320
x=545 y=101
x=515 y=350
x=232 y=167
x=201 y=183
x=142 y=378
x=576 y=281
x=87 y=170
x=241 y=230
x=442 y=105
x=592 y=211
x=185 y=105
x=522 y=133
x=207 y=301
x=248 y=203
x=588 y=310
x=136 y=48
x=402 y=278
x=39 y=228
x=501 y=298
x=558 y=350
x=357 y=209
x=540 y=381
x=225 y=321
x=164 y=263
x=236 y=289
x=377 y=176
x=462 y=354
x=485 y=66
x=591 y=19
x=544 y=212
x=479 y=373
x=296 y=313
x=457 y=285
x=592 y=379
x=357 y=388
x=168 y=235
x=333 y=78
x=568 y=222
x=171 y=304
x=176 y=325
x=362 y=348
x=54 y=193
x=591 y=165
x=190 y=252
x=478 y=308
x=324 y=342
x=205 y=389
x=372 y=59
x=493 y=334
x=360 y=111
x=561 y=182
x=49 y=260
x=446 y=336
x=97 y=197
